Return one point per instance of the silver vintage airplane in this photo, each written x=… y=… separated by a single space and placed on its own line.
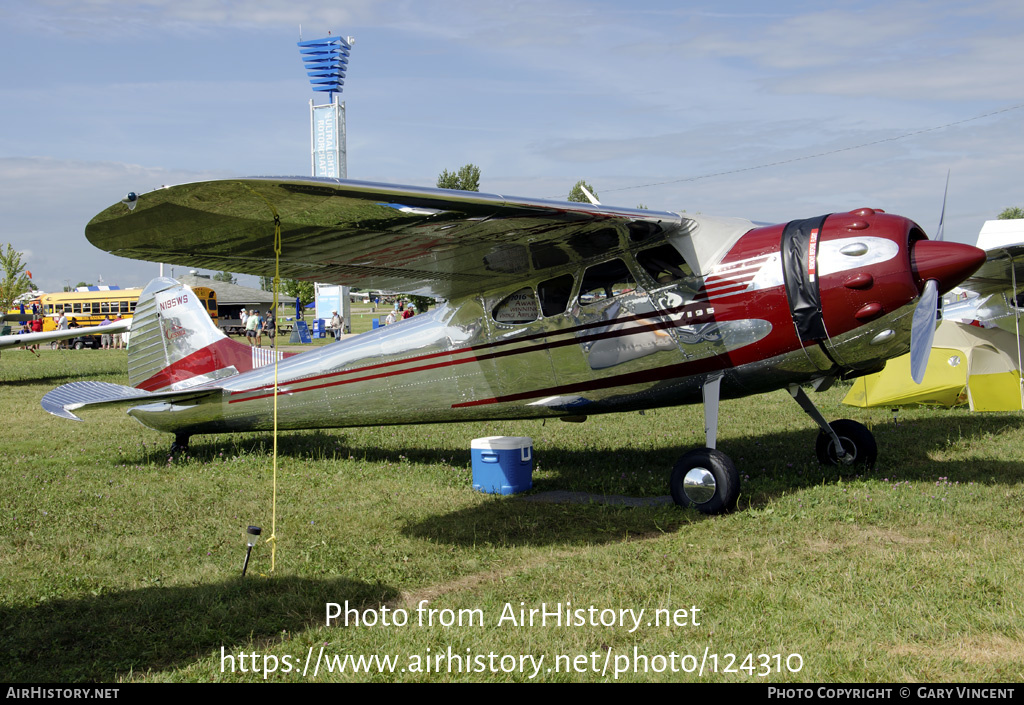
x=24 y=339
x=550 y=310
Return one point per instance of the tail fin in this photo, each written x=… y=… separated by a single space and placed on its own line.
x=174 y=345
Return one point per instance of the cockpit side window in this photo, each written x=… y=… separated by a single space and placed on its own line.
x=665 y=264
x=605 y=280
x=554 y=294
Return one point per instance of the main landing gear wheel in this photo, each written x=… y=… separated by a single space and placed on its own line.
x=706 y=480
x=858 y=444
x=180 y=445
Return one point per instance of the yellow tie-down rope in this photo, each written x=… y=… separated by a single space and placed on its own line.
x=272 y=539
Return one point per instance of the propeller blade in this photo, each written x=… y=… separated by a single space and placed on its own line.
x=942 y=216
x=922 y=330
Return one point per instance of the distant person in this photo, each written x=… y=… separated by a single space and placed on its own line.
x=106 y=339
x=62 y=324
x=26 y=328
x=120 y=339
x=409 y=312
x=253 y=313
x=390 y=319
x=336 y=323
x=270 y=327
x=36 y=326
x=251 y=331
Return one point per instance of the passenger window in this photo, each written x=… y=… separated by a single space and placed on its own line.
x=554 y=294
x=605 y=280
x=664 y=264
x=520 y=307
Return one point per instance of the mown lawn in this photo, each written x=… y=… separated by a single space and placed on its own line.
x=121 y=565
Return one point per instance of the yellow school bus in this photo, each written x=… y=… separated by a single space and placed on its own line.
x=89 y=308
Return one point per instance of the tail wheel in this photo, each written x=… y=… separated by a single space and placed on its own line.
x=858 y=445
x=706 y=480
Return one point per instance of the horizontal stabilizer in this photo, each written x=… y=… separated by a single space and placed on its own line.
x=65 y=399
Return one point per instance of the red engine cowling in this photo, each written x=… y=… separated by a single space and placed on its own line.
x=871 y=263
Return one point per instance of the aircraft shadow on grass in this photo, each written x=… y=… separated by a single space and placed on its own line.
x=50 y=377
x=510 y=521
x=100 y=638
x=906 y=443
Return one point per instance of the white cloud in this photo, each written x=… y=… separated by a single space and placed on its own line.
x=48 y=202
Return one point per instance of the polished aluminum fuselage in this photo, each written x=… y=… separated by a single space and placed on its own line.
x=654 y=346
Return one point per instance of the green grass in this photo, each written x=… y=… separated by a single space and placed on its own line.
x=119 y=565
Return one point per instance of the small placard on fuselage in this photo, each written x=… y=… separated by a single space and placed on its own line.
x=520 y=307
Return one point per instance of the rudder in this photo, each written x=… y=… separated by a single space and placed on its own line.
x=175 y=345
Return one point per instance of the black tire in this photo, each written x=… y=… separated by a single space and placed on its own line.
x=858 y=442
x=79 y=345
x=706 y=480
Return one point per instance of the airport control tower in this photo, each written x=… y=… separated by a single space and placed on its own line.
x=326 y=61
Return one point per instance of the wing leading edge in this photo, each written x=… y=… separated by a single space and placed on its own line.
x=433 y=242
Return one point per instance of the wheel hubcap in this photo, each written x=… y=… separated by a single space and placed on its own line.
x=699 y=485
x=849 y=448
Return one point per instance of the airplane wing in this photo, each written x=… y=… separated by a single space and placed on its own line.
x=434 y=242
x=15 y=317
x=8 y=341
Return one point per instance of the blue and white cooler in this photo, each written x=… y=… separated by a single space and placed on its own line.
x=502 y=464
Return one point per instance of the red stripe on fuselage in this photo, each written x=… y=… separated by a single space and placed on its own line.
x=217 y=356
x=695 y=304
x=288 y=388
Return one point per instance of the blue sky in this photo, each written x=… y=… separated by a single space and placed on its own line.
x=102 y=97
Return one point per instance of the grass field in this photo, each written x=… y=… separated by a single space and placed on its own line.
x=118 y=565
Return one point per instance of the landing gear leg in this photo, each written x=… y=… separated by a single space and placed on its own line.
x=180 y=444
x=842 y=442
x=705 y=478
